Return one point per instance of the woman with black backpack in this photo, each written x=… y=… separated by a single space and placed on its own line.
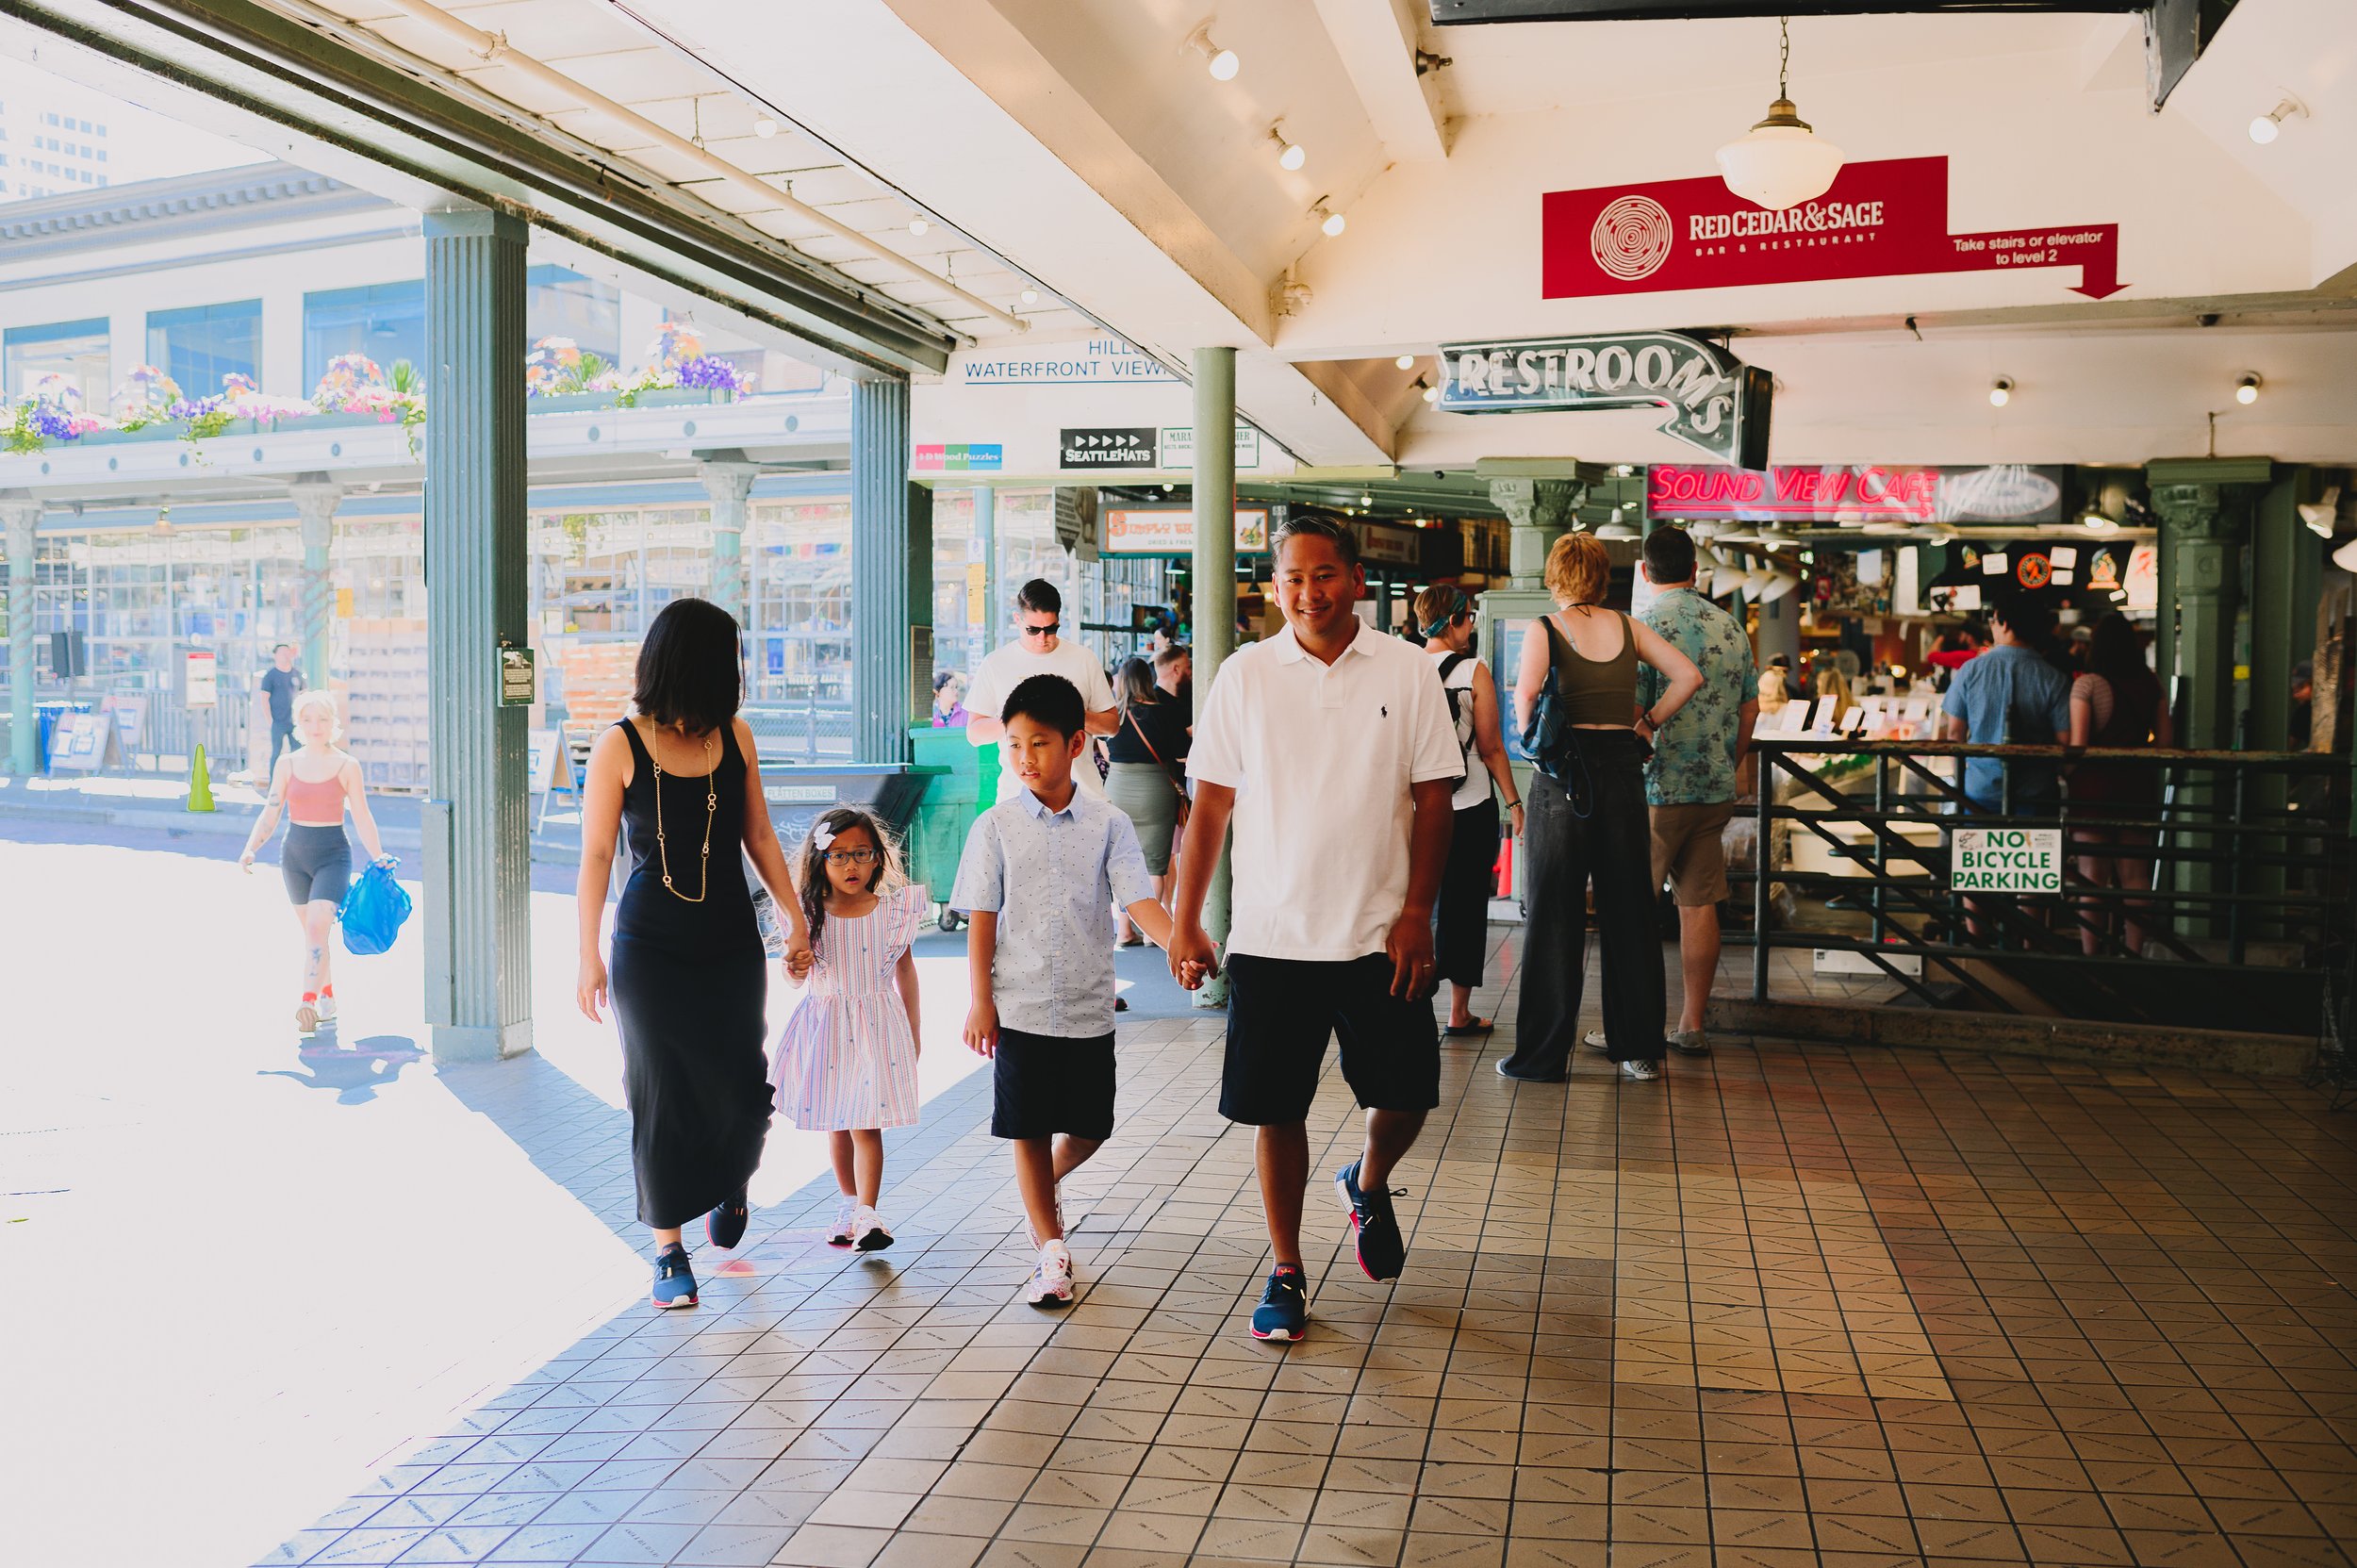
x=1462 y=913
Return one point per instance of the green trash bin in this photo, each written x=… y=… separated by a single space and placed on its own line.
x=958 y=795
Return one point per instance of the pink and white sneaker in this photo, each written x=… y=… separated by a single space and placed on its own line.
x=1051 y=1281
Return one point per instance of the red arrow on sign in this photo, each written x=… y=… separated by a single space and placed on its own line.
x=1881 y=218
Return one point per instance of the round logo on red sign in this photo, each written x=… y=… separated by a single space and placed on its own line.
x=2034 y=572
x=1631 y=238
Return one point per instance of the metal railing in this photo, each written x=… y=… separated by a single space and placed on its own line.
x=2248 y=856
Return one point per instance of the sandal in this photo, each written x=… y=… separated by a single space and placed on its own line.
x=1479 y=1026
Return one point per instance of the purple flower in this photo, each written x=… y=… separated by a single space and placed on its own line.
x=710 y=372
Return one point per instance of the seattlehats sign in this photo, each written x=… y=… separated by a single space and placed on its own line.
x=1717 y=404
x=1880 y=219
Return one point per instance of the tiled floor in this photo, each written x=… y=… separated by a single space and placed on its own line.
x=1790 y=1306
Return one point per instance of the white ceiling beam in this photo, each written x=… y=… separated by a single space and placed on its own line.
x=1376 y=41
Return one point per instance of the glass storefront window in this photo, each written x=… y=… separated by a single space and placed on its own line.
x=76 y=350
x=800 y=571
x=199 y=345
x=560 y=302
x=383 y=321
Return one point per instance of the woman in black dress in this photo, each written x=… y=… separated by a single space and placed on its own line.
x=688 y=982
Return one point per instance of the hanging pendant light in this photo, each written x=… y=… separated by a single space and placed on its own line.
x=1782 y=163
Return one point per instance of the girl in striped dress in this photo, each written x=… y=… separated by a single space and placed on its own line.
x=846 y=1061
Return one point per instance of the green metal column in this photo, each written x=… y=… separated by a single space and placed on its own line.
x=2203 y=505
x=2286 y=571
x=986 y=542
x=478 y=978
x=1214 y=579
x=315 y=498
x=20 y=512
x=892 y=577
x=728 y=479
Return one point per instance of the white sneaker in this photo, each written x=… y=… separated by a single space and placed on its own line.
x=869 y=1226
x=327 y=1010
x=1051 y=1281
x=1643 y=1072
x=1595 y=1041
x=840 y=1234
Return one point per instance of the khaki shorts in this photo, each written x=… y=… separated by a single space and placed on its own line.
x=1690 y=851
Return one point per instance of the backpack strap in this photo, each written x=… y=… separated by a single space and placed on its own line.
x=1448 y=665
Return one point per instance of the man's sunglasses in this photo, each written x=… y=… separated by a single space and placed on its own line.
x=1047 y=630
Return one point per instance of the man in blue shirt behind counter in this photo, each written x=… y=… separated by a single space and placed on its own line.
x=2010 y=696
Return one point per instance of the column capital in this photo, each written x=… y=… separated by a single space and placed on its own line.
x=20 y=509
x=1538 y=502
x=476 y=222
x=314 y=492
x=728 y=475
x=2197 y=511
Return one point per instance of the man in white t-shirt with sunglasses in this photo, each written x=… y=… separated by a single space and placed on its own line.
x=1039 y=648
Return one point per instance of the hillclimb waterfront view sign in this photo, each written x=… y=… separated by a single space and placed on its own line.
x=1717 y=404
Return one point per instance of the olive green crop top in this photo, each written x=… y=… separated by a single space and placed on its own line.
x=1594 y=691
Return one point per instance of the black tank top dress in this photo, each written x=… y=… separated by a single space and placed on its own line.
x=689 y=984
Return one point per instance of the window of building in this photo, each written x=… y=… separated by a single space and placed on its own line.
x=560 y=302
x=383 y=321
x=198 y=346
x=76 y=350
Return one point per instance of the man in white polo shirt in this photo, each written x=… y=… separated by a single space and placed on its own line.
x=1039 y=649
x=1330 y=747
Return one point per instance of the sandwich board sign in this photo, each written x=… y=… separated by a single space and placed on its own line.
x=2007 y=860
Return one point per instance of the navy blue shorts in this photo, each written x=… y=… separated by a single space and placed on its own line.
x=1043 y=1084
x=1280 y=1012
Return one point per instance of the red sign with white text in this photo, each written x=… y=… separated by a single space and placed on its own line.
x=1881 y=218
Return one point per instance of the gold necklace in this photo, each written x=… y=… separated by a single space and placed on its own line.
x=712 y=806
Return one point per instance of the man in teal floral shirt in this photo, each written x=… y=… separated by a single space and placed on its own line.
x=1691 y=783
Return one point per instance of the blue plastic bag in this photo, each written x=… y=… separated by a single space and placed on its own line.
x=374 y=909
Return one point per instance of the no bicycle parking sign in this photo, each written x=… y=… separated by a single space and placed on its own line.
x=2007 y=860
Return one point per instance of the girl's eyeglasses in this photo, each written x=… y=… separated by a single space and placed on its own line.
x=851 y=857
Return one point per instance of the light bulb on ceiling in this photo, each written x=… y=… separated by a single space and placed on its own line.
x=1366 y=501
x=765 y=126
x=1781 y=163
x=1405 y=362
x=1431 y=394
x=1331 y=222
x=1029 y=296
x=918 y=225
x=2096 y=522
x=1289 y=154
x=1168 y=486
x=2268 y=127
x=2246 y=389
x=2001 y=391
x=1222 y=63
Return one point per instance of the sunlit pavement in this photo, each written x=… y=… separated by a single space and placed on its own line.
x=244 y=1270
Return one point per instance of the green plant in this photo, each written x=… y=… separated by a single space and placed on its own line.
x=406 y=379
x=24 y=436
x=206 y=425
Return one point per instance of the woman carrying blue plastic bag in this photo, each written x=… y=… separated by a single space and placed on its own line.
x=315 y=784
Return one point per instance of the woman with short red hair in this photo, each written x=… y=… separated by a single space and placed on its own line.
x=1588 y=821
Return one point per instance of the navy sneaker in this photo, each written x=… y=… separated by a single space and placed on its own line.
x=725 y=1225
x=1284 y=1309
x=674 y=1281
x=1381 y=1252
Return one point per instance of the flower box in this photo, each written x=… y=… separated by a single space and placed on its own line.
x=674 y=397
x=568 y=403
x=162 y=430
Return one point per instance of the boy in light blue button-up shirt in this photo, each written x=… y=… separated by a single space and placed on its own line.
x=1040 y=876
